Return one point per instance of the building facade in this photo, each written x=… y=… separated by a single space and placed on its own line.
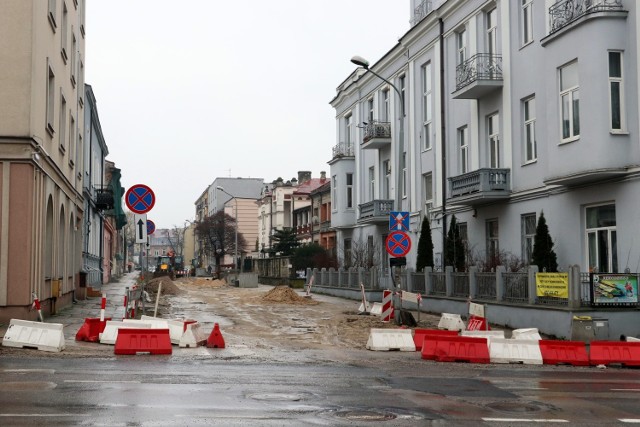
x=41 y=169
x=496 y=112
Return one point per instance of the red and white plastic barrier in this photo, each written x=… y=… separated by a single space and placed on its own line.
x=36 y=305
x=103 y=306
x=387 y=306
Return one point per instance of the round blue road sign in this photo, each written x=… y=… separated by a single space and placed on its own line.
x=151 y=227
x=398 y=244
x=140 y=199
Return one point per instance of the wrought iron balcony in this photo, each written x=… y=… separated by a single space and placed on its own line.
x=421 y=11
x=375 y=211
x=342 y=149
x=478 y=75
x=480 y=186
x=564 y=12
x=376 y=135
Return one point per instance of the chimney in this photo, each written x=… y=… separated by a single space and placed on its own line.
x=304 y=176
x=323 y=176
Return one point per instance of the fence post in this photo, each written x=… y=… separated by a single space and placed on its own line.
x=409 y=272
x=373 y=277
x=448 y=280
x=473 y=284
x=428 y=281
x=500 y=269
x=575 y=284
x=533 y=294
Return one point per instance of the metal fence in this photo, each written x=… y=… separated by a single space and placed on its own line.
x=516 y=287
x=486 y=286
x=439 y=283
x=461 y=285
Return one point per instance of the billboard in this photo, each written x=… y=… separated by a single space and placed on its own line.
x=614 y=289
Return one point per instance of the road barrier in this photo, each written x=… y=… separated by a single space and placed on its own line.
x=514 y=351
x=110 y=333
x=143 y=341
x=483 y=334
x=387 y=306
x=419 y=335
x=34 y=335
x=91 y=329
x=376 y=310
x=390 y=339
x=451 y=322
x=455 y=349
x=215 y=339
x=477 y=323
x=614 y=352
x=526 y=334
x=193 y=336
x=555 y=352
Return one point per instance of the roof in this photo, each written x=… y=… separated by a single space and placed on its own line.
x=310 y=185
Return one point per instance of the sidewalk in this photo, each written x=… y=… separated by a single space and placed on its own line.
x=72 y=317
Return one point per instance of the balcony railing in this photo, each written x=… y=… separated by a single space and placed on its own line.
x=478 y=75
x=376 y=135
x=482 y=185
x=564 y=12
x=342 y=149
x=376 y=210
x=421 y=11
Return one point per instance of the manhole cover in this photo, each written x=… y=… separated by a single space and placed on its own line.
x=366 y=416
x=513 y=407
x=277 y=396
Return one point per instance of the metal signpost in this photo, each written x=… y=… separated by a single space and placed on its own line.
x=398 y=245
x=140 y=199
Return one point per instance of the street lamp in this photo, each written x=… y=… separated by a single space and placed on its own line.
x=361 y=62
x=235 y=249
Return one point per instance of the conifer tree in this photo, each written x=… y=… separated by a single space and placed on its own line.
x=454 y=248
x=425 y=246
x=543 y=255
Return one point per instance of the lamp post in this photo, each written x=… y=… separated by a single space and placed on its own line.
x=235 y=249
x=361 y=62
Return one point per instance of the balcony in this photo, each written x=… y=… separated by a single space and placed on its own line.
x=376 y=135
x=565 y=12
x=477 y=76
x=375 y=211
x=480 y=186
x=420 y=12
x=342 y=149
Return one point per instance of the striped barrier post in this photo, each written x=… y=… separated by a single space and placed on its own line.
x=103 y=306
x=36 y=305
x=387 y=306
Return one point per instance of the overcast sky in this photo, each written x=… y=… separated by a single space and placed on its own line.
x=197 y=89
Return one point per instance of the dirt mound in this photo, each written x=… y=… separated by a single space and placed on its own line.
x=168 y=287
x=286 y=295
x=204 y=282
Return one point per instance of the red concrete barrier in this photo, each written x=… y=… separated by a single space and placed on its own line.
x=91 y=329
x=614 y=352
x=456 y=349
x=555 y=352
x=135 y=341
x=477 y=323
x=419 y=335
x=215 y=340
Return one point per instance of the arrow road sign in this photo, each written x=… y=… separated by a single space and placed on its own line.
x=399 y=221
x=398 y=244
x=140 y=227
x=140 y=199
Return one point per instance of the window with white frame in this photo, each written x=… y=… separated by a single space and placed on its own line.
x=461 y=46
x=372 y=183
x=62 y=134
x=527 y=21
x=616 y=90
x=427 y=108
x=51 y=14
x=370 y=110
x=570 y=102
x=349 y=182
x=529 y=111
x=528 y=234
x=602 y=238
x=463 y=144
x=493 y=246
x=403 y=86
x=493 y=129
x=51 y=95
x=348 y=130
x=427 y=191
x=63 y=32
x=385 y=106
x=347 y=253
x=386 y=180
x=334 y=192
x=492 y=32
x=404 y=174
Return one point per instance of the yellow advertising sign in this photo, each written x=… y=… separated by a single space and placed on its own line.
x=552 y=285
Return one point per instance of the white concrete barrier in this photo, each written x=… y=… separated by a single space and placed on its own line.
x=361 y=309
x=514 y=351
x=194 y=336
x=376 y=310
x=483 y=334
x=391 y=339
x=36 y=335
x=451 y=322
x=526 y=334
x=632 y=339
x=110 y=333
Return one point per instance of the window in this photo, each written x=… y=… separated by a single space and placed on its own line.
x=385 y=106
x=348 y=129
x=527 y=21
x=493 y=247
x=74 y=57
x=372 y=183
x=494 y=141
x=370 y=110
x=51 y=91
x=464 y=150
x=72 y=139
x=464 y=237
x=63 y=32
x=427 y=109
x=370 y=251
x=347 y=253
x=386 y=171
x=63 y=123
x=602 y=239
x=334 y=192
x=528 y=234
x=530 y=149
x=461 y=46
x=616 y=90
x=349 y=181
x=492 y=38
x=403 y=86
x=404 y=174
x=570 y=102
x=427 y=191
x=52 y=14
x=81 y=15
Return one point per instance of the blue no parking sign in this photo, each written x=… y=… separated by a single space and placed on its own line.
x=140 y=199
x=398 y=244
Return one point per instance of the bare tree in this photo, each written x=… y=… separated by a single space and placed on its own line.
x=363 y=254
x=176 y=239
x=218 y=233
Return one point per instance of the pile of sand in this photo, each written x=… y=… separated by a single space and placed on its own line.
x=205 y=282
x=168 y=287
x=286 y=295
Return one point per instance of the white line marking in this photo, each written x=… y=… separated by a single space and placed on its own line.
x=630 y=420
x=625 y=389
x=523 y=420
x=22 y=371
x=101 y=381
x=44 y=415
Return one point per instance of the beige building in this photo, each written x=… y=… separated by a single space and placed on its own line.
x=247 y=219
x=41 y=121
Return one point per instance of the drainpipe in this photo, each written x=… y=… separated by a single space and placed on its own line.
x=443 y=145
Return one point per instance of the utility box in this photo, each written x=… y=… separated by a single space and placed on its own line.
x=601 y=328
x=582 y=329
x=56 y=291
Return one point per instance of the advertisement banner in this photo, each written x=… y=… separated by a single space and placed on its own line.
x=554 y=285
x=614 y=289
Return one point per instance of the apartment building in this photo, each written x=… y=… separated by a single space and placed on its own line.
x=496 y=112
x=41 y=121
